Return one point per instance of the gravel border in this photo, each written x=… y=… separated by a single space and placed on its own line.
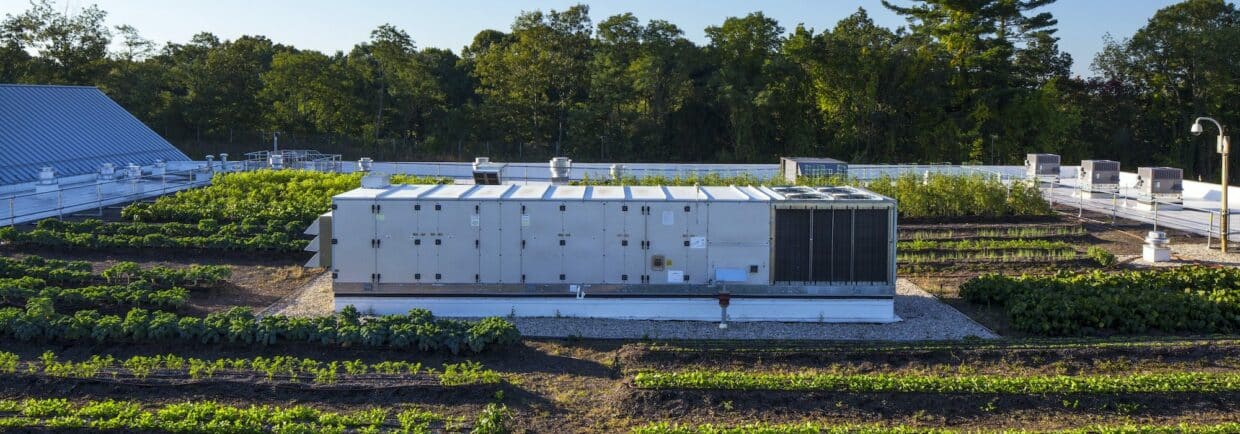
x=1184 y=254
x=924 y=318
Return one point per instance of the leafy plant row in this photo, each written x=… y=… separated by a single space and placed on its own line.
x=960 y=196
x=1023 y=255
x=419 y=329
x=985 y=244
x=820 y=428
x=142 y=293
x=211 y=417
x=1016 y=232
x=92 y=234
x=54 y=270
x=262 y=196
x=247 y=211
x=283 y=368
x=79 y=272
x=1097 y=384
x=1183 y=299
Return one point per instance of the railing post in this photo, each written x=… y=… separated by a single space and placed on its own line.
x=1115 y=205
x=1154 y=201
x=60 y=205
x=12 y=211
x=1210 y=231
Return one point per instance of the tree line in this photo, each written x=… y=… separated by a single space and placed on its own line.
x=981 y=81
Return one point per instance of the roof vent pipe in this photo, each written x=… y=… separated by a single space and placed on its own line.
x=560 y=168
x=47 y=180
x=481 y=162
x=107 y=172
x=224 y=161
x=47 y=175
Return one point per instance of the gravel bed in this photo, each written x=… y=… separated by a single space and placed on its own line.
x=312 y=299
x=1183 y=254
x=924 y=318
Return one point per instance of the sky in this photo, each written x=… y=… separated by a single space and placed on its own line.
x=336 y=25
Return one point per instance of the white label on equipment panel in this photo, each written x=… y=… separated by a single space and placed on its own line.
x=525 y=220
x=474 y=221
x=668 y=218
x=675 y=276
x=697 y=242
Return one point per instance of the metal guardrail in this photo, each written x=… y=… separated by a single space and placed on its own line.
x=95 y=195
x=1161 y=212
x=75 y=198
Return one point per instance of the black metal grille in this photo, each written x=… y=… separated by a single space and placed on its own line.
x=832 y=245
x=792 y=243
x=870 y=260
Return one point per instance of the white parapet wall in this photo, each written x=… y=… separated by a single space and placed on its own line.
x=835 y=310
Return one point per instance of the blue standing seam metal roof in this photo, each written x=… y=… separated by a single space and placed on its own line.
x=73 y=129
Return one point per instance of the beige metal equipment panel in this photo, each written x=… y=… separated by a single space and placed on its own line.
x=740 y=239
x=499 y=235
x=542 y=227
x=458 y=242
x=666 y=223
x=624 y=258
x=353 y=226
x=397 y=257
x=424 y=238
x=583 y=246
x=697 y=237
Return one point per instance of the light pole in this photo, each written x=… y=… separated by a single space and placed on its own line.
x=1223 y=148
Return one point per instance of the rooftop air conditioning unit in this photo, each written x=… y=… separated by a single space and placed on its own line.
x=795 y=167
x=1163 y=184
x=1042 y=165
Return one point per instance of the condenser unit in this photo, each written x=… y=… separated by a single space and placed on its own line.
x=1098 y=177
x=792 y=168
x=1161 y=184
x=1042 y=166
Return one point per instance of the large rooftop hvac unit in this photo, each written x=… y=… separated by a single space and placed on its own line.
x=1162 y=184
x=1098 y=177
x=788 y=253
x=1042 y=166
x=794 y=167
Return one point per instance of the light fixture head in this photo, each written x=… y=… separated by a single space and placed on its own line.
x=1196 y=129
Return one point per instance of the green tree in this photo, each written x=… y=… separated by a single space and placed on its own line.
x=70 y=49
x=747 y=50
x=1184 y=63
x=536 y=79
